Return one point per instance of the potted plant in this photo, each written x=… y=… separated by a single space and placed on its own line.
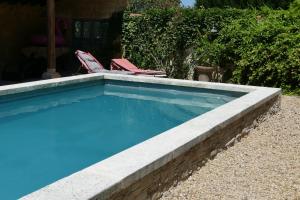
x=208 y=56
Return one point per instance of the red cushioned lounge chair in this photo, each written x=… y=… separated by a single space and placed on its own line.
x=92 y=65
x=125 y=65
x=89 y=62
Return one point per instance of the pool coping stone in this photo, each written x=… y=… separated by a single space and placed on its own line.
x=115 y=173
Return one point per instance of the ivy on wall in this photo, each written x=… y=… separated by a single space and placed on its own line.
x=168 y=39
x=257 y=47
x=276 y=4
x=142 y=5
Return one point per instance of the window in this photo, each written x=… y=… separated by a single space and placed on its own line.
x=92 y=36
x=91 y=30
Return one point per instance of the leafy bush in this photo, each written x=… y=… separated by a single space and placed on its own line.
x=265 y=50
x=257 y=47
x=295 y=7
x=142 y=5
x=243 y=3
x=167 y=39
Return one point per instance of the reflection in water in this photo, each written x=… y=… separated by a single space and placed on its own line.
x=47 y=137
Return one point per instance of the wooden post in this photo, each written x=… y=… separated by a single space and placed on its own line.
x=51 y=69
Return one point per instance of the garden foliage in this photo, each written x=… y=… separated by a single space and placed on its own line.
x=265 y=50
x=142 y=5
x=276 y=4
x=295 y=7
x=257 y=47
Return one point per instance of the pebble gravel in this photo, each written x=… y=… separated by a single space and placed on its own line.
x=265 y=164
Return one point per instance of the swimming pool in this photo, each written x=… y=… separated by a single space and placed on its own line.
x=52 y=129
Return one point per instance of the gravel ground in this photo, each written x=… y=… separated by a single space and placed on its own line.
x=264 y=165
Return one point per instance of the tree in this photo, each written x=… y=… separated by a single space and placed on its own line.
x=141 y=5
x=284 y=4
x=295 y=7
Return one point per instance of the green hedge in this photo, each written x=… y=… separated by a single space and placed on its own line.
x=265 y=51
x=295 y=8
x=138 y=6
x=166 y=39
x=257 y=47
x=283 y=4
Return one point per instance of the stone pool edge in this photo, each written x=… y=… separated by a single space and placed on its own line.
x=111 y=176
x=50 y=83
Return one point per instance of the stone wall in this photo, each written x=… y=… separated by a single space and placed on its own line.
x=154 y=184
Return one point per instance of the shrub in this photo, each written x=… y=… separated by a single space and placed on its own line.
x=283 y=4
x=265 y=51
x=257 y=47
x=167 y=39
x=142 y=5
x=295 y=7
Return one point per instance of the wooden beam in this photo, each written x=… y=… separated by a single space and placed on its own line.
x=51 y=34
x=51 y=68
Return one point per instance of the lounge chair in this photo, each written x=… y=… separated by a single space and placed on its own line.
x=92 y=65
x=125 y=65
x=89 y=62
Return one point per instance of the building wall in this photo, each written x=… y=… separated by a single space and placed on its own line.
x=17 y=24
x=20 y=21
x=96 y=9
x=91 y=9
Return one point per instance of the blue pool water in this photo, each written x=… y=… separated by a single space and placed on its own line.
x=49 y=134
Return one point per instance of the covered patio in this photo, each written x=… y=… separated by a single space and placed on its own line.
x=40 y=37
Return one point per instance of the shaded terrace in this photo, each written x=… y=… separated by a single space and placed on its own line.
x=26 y=53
